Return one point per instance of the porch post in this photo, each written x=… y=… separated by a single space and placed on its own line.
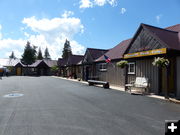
x=126 y=77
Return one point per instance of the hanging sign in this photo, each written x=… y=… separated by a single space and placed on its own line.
x=146 y=53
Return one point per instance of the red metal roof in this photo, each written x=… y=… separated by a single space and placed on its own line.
x=170 y=36
x=174 y=28
x=117 y=52
x=72 y=60
x=96 y=53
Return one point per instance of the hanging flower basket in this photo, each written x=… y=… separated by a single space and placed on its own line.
x=160 y=62
x=122 y=63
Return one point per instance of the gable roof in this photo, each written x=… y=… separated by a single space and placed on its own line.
x=62 y=62
x=35 y=64
x=74 y=59
x=48 y=62
x=174 y=28
x=96 y=53
x=170 y=36
x=167 y=36
x=9 y=62
x=71 y=60
x=117 y=52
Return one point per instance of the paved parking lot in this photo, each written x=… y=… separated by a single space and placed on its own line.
x=53 y=106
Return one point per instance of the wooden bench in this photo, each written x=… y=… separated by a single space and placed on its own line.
x=105 y=84
x=140 y=82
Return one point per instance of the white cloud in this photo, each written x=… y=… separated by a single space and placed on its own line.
x=92 y=3
x=50 y=33
x=158 y=17
x=17 y=53
x=85 y=4
x=112 y=2
x=100 y=2
x=67 y=14
x=8 y=45
x=123 y=10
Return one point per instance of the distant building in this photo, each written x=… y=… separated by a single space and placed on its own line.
x=70 y=67
x=39 y=67
x=88 y=62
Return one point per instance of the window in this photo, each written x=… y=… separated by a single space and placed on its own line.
x=103 y=67
x=32 y=69
x=131 y=68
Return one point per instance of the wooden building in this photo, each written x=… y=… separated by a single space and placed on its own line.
x=14 y=66
x=150 y=42
x=109 y=71
x=41 y=67
x=88 y=63
x=38 y=68
x=70 y=67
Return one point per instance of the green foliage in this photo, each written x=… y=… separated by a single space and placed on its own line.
x=10 y=68
x=39 y=55
x=66 y=50
x=160 y=62
x=46 y=54
x=54 y=68
x=122 y=63
x=29 y=55
x=12 y=56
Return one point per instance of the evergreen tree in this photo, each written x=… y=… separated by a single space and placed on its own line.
x=39 y=56
x=66 y=50
x=46 y=54
x=12 y=56
x=29 y=55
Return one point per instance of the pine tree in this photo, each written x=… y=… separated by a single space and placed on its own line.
x=29 y=55
x=46 y=54
x=66 y=50
x=12 y=56
x=39 y=56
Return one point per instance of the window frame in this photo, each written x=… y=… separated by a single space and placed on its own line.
x=103 y=67
x=129 y=68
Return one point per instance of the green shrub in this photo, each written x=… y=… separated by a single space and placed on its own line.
x=122 y=63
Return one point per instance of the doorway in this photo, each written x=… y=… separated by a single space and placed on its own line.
x=167 y=79
x=18 y=71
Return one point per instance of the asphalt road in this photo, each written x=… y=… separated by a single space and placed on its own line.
x=52 y=106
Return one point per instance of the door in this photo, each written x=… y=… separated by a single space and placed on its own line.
x=87 y=73
x=18 y=71
x=168 y=78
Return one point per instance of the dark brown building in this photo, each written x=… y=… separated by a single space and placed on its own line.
x=71 y=66
x=88 y=62
x=109 y=71
x=150 y=42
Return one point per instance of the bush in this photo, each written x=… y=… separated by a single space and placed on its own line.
x=54 y=68
x=160 y=62
x=122 y=63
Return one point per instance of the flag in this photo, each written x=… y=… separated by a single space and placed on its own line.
x=107 y=59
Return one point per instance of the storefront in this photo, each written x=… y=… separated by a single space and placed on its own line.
x=149 y=43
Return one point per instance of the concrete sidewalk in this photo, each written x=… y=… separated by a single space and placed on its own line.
x=173 y=100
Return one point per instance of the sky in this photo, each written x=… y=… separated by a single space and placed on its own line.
x=85 y=23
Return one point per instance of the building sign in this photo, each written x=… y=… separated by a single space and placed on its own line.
x=146 y=53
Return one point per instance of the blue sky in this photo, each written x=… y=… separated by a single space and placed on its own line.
x=86 y=23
